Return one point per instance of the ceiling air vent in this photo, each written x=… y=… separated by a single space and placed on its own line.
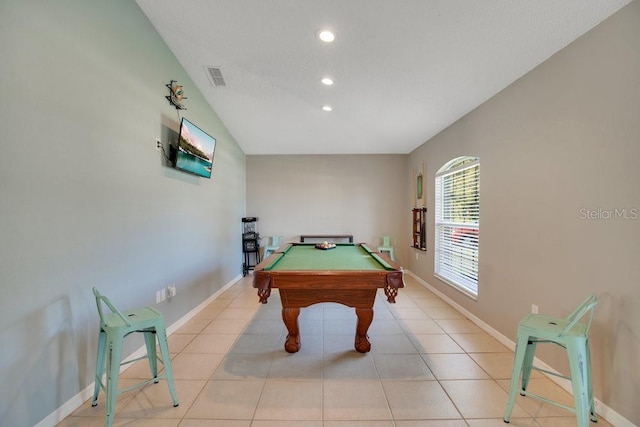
x=215 y=76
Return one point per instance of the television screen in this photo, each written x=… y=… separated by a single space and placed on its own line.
x=195 y=150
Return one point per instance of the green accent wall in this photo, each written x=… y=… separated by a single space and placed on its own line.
x=87 y=200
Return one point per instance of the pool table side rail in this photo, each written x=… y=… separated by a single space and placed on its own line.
x=264 y=277
x=326 y=237
x=272 y=260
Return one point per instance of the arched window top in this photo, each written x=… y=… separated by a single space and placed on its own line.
x=457 y=163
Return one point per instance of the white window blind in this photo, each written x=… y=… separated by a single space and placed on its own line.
x=458 y=224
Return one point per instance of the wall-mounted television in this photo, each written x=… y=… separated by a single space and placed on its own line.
x=195 y=150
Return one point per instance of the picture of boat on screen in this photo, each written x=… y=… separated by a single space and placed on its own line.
x=195 y=150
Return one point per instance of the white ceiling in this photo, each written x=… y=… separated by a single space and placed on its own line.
x=403 y=70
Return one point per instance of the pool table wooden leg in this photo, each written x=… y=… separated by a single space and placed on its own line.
x=290 y=317
x=365 y=317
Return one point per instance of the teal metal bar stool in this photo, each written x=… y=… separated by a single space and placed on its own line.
x=114 y=327
x=386 y=247
x=568 y=333
x=269 y=249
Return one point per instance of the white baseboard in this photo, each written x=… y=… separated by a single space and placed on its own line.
x=602 y=410
x=67 y=408
x=87 y=393
x=190 y=315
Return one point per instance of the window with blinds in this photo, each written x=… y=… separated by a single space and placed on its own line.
x=457 y=224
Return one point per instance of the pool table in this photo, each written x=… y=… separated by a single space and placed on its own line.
x=349 y=274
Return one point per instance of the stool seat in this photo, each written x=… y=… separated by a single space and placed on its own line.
x=139 y=318
x=114 y=327
x=573 y=336
x=548 y=327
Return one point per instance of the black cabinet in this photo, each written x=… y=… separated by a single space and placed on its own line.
x=250 y=244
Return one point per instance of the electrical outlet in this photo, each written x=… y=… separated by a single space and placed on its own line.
x=534 y=309
x=158 y=144
x=161 y=295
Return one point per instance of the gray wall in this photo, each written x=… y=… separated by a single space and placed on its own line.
x=558 y=145
x=363 y=195
x=86 y=200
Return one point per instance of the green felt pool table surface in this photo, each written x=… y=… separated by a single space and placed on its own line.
x=345 y=256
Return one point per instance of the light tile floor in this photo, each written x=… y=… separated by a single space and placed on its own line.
x=428 y=366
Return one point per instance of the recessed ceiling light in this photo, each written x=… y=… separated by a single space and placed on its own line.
x=326 y=36
x=327 y=81
x=327 y=108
